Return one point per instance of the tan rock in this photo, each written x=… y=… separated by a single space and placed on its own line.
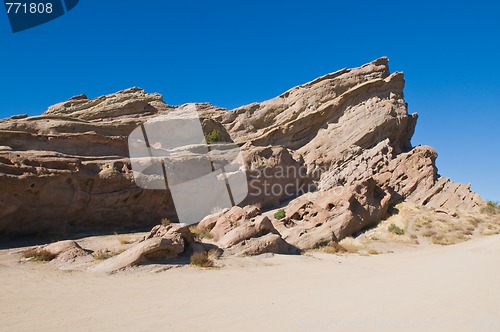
x=317 y=219
x=251 y=228
x=269 y=243
x=156 y=249
x=71 y=167
x=64 y=251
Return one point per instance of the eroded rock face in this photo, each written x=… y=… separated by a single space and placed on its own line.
x=337 y=149
x=319 y=218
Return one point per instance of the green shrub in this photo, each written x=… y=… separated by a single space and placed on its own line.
x=395 y=229
x=213 y=136
x=280 y=214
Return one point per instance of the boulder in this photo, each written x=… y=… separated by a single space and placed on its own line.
x=156 y=249
x=269 y=243
x=170 y=231
x=250 y=228
x=64 y=251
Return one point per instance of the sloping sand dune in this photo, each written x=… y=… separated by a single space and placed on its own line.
x=434 y=288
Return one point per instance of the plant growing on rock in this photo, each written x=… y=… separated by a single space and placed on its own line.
x=213 y=136
x=280 y=214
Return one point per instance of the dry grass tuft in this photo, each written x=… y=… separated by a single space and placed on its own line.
x=443 y=240
x=124 y=239
x=216 y=210
x=350 y=245
x=201 y=259
x=332 y=248
x=39 y=255
x=429 y=233
x=200 y=233
x=105 y=254
x=214 y=254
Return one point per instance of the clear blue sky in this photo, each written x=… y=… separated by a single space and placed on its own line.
x=232 y=53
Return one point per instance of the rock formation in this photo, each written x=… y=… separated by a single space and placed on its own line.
x=336 y=153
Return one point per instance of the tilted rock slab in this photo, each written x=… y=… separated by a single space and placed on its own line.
x=71 y=167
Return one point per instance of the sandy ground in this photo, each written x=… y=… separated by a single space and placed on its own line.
x=430 y=288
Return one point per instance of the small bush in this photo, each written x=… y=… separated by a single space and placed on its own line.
x=165 y=221
x=373 y=252
x=39 y=255
x=280 y=214
x=395 y=229
x=491 y=208
x=201 y=259
x=213 y=136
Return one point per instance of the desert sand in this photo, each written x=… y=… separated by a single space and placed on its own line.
x=429 y=288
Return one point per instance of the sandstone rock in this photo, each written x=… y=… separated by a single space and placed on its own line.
x=252 y=228
x=164 y=242
x=156 y=249
x=209 y=221
x=243 y=231
x=269 y=243
x=318 y=218
x=344 y=138
x=252 y=211
x=227 y=221
x=413 y=177
x=171 y=231
x=64 y=251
